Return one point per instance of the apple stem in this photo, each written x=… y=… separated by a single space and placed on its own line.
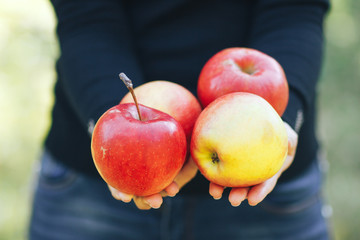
x=129 y=85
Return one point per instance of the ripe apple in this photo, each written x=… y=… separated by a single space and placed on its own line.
x=170 y=98
x=243 y=70
x=139 y=157
x=137 y=149
x=239 y=140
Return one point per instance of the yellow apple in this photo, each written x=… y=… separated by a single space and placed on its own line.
x=239 y=140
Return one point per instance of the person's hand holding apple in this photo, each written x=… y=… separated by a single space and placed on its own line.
x=231 y=70
x=183 y=106
x=255 y=194
x=185 y=175
x=247 y=152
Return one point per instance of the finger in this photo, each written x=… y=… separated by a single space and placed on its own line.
x=216 y=191
x=258 y=192
x=237 y=195
x=141 y=203
x=172 y=189
x=187 y=173
x=120 y=195
x=154 y=200
x=292 y=140
x=292 y=145
x=288 y=161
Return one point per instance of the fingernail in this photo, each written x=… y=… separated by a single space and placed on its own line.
x=177 y=191
x=124 y=198
x=236 y=204
x=253 y=204
x=155 y=207
x=173 y=194
x=217 y=198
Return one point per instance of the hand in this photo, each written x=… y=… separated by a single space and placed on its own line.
x=257 y=193
x=187 y=173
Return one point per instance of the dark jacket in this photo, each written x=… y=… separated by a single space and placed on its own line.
x=172 y=40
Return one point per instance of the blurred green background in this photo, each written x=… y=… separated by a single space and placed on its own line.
x=28 y=49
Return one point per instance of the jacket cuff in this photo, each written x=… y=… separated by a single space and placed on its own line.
x=294 y=113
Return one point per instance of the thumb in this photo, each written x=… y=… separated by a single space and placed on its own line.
x=292 y=140
x=187 y=173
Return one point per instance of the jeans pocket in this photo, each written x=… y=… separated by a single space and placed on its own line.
x=54 y=175
x=295 y=195
x=290 y=207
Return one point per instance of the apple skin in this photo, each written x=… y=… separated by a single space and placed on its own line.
x=243 y=70
x=138 y=157
x=239 y=140
x=170 y=98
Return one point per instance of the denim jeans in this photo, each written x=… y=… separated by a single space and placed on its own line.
x=68 y=205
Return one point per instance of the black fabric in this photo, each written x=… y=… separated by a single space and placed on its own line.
x=172 y=40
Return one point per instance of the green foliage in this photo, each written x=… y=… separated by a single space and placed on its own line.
x=28 y=49
x=339 y=116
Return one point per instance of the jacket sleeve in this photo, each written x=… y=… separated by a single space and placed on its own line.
x=291 y=31
x=96 y=45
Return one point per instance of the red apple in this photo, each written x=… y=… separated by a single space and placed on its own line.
x=243 y=70
x=137 y=149
x=139 y=157
x=239 y=140
x=170 y=98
